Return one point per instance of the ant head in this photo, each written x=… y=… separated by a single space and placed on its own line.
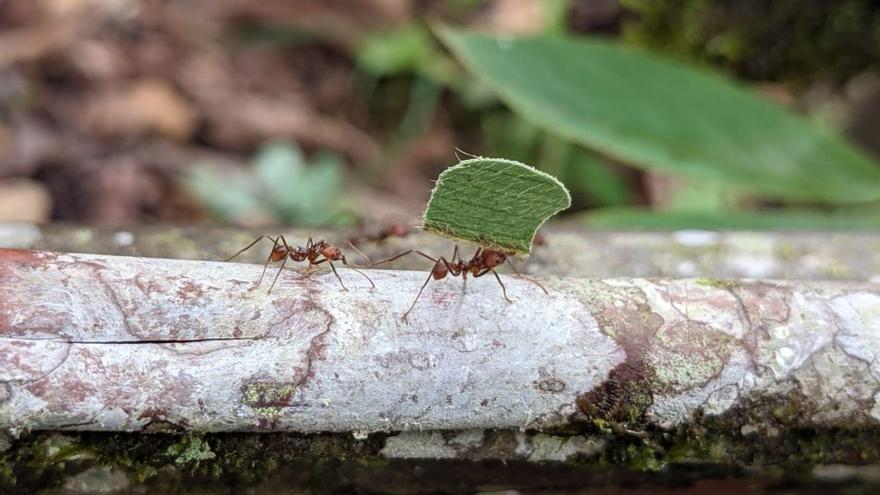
x=330 y=251
x=398 y=230
x=278 y=253
x=491 y=259
x=440 y=270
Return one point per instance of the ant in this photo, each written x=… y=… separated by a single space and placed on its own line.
x=314 y=252
x=391 y=230
x=484 y=261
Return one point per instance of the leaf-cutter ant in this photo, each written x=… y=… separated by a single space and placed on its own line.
x=315 y=252
x=390 y=230
x=484 y=261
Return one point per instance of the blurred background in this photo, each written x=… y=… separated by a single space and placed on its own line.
x=342 y=112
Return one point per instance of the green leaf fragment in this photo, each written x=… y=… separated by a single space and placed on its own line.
x=494 y=203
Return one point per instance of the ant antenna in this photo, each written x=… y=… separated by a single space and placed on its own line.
x=242 y=250
x=530 y=279
x=465 y=153
x=364 y=255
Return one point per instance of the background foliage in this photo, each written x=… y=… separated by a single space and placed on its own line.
x=654 y=114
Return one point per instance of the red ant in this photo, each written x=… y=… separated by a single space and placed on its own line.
x=392 y=230
x=314 y=252
x=483 y=261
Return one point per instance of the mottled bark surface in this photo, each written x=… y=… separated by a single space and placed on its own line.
x=98 y=342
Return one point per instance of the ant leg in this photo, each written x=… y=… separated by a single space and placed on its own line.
x=277 y=274
x=369 y=263
x=401 y=255
x=455 y=253
x=493 y=272
x=266 y=264
x=312 y=264
x=345 y=262
x=337 y=273
x=388 y=260
x=413 y=305
x=284 y=241
x=448 y=266
x=526 y=278
x=258 y=239
x=503 y=289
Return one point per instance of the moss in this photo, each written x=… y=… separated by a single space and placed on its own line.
x=191 y=449
x=759 y=431
x=168 y=462
x=623 y=397
x=718 y=283
x=786 y=413
x=144 y=473
x=267 y=398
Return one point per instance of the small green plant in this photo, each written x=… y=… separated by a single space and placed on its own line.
x=279 y=187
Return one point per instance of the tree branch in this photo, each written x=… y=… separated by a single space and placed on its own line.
x=94 y=342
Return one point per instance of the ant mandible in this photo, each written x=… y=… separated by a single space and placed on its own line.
x=314 y=252
x=484 y=261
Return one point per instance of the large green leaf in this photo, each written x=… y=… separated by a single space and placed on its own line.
x=660 y=114
x=643 y=219
x=494 y=203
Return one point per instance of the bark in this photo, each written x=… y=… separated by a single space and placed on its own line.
x=95 y=342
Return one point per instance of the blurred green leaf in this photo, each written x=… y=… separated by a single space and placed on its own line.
x=319 y=191
x=280 y=185
x=504 y=133
x=280 y=169
x=589 y=174
x=408 y=50
x=300 y=193
x=557 y=13
x=635 y=218
x=659 y=114
x=699 y=195
x=581 y=170
x=401 y=51
x=494 y=203
x=229 y=193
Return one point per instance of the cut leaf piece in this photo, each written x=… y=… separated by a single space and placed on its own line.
x=494 y=203
x=655 y=113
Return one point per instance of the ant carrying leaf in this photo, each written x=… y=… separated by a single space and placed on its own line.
x=484 y=261
x=314 y=252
